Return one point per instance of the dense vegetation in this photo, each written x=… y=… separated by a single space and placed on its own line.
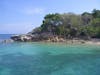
x=70 y=25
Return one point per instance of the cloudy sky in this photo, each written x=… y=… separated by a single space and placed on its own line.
x=21 y=16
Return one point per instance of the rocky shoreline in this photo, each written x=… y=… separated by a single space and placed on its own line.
x=48 y=38
x=37 y=38
x=53 y=39
x=67 y=41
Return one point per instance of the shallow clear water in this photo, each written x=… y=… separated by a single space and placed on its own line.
x=49 y=59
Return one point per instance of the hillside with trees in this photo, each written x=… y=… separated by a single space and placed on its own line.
x=68 y=26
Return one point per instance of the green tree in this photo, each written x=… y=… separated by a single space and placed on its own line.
x=50 y=22
x=96 y=13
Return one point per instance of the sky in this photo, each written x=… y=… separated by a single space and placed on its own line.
x=21 y=16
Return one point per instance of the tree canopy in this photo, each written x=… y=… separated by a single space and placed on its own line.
x=70 y=25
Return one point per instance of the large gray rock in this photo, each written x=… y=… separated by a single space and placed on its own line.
x=22 y=38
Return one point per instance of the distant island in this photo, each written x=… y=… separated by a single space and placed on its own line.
x=63 y=27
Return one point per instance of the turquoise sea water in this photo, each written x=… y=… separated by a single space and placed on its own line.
x=49 y=59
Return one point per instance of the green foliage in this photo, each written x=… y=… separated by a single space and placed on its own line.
x=36 y=30
x=86 y=18
x=95 y=22
x=96 y=13
x=50 y=22
x=73 y=25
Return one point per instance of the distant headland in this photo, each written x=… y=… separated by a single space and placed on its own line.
x=63 y=27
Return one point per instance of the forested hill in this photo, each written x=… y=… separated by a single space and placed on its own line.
x=60 y=27
x=70 y=25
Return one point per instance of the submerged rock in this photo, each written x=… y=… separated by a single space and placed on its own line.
x=7 y=41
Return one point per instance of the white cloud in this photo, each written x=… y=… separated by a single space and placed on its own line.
x=32 y=11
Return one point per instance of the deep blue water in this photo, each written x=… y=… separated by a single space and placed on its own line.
x=49 y=59
x=5 y=36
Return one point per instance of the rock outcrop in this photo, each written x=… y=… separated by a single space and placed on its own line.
x=22 y=38
x=37 y=37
